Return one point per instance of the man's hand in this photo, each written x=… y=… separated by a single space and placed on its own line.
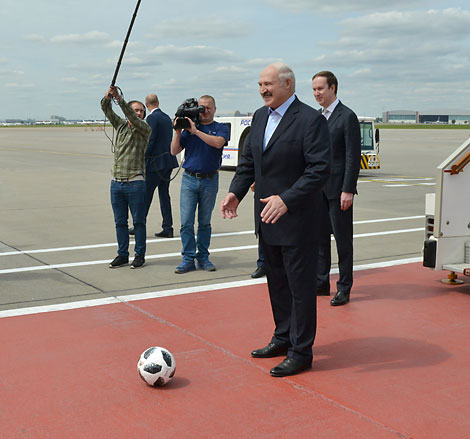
x=273 y=210
x=346 y=200
x=177 y=130
x=228 y=207
x=112 y=92
x=192 y=126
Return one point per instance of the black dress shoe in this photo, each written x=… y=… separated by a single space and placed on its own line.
x=270 y=351
x=259 y=272
x=119 y=261
x=164 y=234
x=290 y=366
x=341 y=298
x=131 y=231
x=323 y=291
x=138 y=261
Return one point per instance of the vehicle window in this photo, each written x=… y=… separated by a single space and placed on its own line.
x=367 y=139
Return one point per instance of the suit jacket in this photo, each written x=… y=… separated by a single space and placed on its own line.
x=345 y=135
x=295 y=166
x=157 y=154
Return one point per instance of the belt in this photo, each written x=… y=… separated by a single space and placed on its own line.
x=127 y=180
x=200 y=175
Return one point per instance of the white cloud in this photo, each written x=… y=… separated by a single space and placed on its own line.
x=212 y=28
x=231 y=69
x=18 y=85
x=194 y=54
x=170 y=84
x=261 y=63
x=70 y=79
x=140 y=75
x=88 y=37
x=341 y=6
x=447 y=24
x=8 y=73
x=34 y=37
x=118 y=44
x=397 y=44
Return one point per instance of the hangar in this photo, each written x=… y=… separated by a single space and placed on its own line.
x=436 y=117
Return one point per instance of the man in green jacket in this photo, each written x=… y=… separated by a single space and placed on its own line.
x=128 y=182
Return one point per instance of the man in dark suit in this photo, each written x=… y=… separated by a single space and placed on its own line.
x=338 y=193
x=288 y=155
x=159 y=163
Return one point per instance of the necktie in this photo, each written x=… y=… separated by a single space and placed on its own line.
x=326 y=112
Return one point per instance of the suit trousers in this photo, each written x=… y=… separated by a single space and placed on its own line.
x=340 y=223
x=160 y=179
x=293 y=296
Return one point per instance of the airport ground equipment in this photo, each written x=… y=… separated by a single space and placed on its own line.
x=240 y=127
x=447 y=228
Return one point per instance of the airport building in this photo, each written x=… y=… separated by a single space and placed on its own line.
x=434 y=117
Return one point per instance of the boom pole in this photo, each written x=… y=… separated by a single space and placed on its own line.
x=125 y=44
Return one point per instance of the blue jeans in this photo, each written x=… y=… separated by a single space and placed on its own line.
x=197 y=193
x=125 y=196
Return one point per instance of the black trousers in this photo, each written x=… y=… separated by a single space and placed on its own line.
x=340 y=223
x=293 y=298
x=160 y=180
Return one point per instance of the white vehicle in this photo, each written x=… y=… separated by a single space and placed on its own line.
x=240 y=128
x=447 y=232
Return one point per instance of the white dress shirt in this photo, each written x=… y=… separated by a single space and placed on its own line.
x=274 y=118
x=327 y=111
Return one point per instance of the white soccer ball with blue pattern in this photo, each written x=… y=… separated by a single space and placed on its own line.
x=156 y=366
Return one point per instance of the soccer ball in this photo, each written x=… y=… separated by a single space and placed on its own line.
x=156 y=366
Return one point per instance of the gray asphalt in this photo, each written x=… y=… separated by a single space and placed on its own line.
x=55 y=195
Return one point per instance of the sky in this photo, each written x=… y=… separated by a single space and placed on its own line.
x=59 y=57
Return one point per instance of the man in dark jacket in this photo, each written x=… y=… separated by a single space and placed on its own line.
x=338 y=193
x=159 y=163
x=288 y=155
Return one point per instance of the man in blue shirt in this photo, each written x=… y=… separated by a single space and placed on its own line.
x=203 y=145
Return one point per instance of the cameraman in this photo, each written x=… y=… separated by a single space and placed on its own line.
x=203 y=144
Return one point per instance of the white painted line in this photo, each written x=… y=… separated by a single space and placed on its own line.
x=383 y=220
x=151 y=241
x=383 y=264
x=127 y=298
x=175 y=292
x=172 y=255
x=111 y=244
x=402 y=179
x=107 y=261
x=388 y=232
x=408 y=185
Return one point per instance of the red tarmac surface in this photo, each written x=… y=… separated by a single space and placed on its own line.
x=393 y=363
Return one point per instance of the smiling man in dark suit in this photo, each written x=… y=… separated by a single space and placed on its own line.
x=288 y=155
x=338 y=193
